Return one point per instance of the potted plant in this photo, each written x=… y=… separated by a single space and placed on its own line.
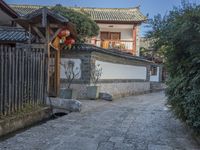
x=93 y=88
x=71 y=73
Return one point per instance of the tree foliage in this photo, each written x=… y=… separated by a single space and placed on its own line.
x=178 y=34
x=86 y=28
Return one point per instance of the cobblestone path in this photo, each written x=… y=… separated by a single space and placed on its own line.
x=133 y=123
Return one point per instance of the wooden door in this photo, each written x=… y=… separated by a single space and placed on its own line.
x=105 y=37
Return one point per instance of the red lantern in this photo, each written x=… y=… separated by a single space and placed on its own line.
x=69 y=41
x=63 y=33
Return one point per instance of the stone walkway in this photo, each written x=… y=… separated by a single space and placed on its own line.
x=133 y=123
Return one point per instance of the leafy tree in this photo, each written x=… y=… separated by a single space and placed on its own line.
x=178 y=35
x=86 y=28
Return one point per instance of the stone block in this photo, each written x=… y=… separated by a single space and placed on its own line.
x=106 y=96
x=71 y=105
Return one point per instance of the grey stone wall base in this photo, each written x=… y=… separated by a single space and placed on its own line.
x=157 y=86
x=117 y=90
x=131 y=94
x=19 y=122
x=70 y=105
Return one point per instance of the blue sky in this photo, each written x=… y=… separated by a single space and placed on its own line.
x=151 y=7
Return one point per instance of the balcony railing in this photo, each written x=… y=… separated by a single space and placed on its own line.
x=123 y=45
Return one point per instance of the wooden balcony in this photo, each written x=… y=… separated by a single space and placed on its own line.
x=123 y=45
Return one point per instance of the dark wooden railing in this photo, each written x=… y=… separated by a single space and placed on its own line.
x=22 y=78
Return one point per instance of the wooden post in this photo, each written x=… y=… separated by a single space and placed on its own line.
x=57 y=65
x=48 y=56
x=57 y=72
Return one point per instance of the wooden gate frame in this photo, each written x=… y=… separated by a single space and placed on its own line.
x=45 y=25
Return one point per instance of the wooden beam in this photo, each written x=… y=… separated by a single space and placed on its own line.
x=38 y=33
x=51 y=25
x=56 y=26
x=44 y=18
x=119 y=22
x=29 y=34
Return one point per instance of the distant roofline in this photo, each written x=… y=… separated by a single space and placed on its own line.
x=33 y=5
x=136 y=9
x=6 y=7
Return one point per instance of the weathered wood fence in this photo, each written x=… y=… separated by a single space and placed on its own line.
x=22 y=78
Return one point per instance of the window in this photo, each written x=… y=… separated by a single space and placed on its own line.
x=105 y=35
x=110 y=39
x=153 y=70
x=115 y=35
x=110 y=35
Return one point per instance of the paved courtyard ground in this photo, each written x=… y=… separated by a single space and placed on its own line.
x=132 y=123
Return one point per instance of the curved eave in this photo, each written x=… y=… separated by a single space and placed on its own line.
x=120 y=22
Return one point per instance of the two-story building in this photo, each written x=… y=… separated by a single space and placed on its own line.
x=119 y=28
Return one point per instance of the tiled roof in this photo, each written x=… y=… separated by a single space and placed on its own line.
x=39 y=12
x=115 y=52
x=97 y=14
x=114 y=14
x=23 y=10
x=12 y=34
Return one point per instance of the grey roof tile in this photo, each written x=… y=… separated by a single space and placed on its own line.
x=115 y=52
x=97 y=14
x=13 y=34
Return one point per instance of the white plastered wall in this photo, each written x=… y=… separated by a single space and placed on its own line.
x=155 y=78
x=77 y=67
x=120 y=71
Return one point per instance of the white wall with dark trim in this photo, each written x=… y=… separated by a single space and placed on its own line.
x=156 y=77
x=121 y=71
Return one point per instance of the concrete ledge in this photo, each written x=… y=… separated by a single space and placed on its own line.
x=11 y=124
x=157 y=86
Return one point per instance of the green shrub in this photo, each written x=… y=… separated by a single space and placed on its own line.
x=179 y=34
x=85 y=26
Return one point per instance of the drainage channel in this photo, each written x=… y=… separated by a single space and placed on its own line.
x=54 y=116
